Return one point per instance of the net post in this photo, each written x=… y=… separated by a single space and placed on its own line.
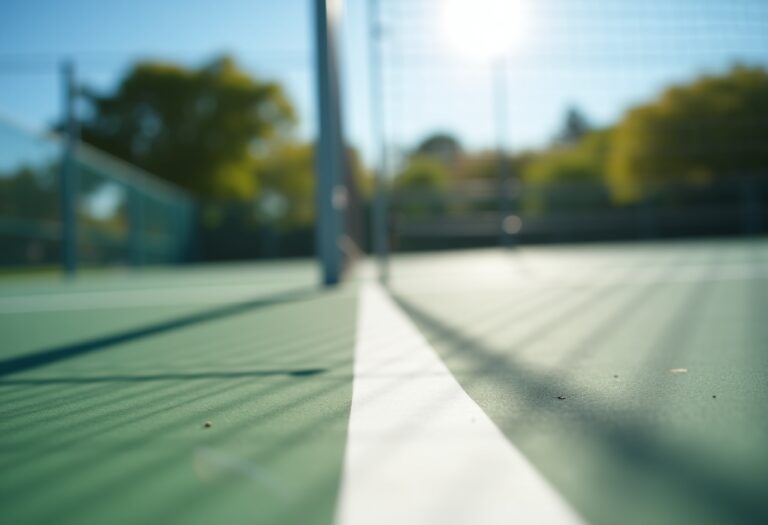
x=329 y=151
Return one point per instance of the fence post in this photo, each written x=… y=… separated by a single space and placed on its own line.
x=136 y=226
x=68 y=180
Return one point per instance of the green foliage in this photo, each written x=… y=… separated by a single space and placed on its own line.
x=420 y=187
x=287 y=172
x=575 y=127
x=584 y=161
x=194 y=127
x=422 y=173
x=361 y=178
x=568 y=177
x=442 y=147
x=479 y=165
x=712 y=128
x=29 y=192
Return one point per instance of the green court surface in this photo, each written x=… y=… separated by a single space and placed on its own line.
x=632 y=376
x=611 y=329
x=107 y=424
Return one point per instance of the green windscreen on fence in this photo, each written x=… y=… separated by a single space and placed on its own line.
x=124 y=216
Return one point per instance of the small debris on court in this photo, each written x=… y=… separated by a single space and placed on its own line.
x=561 y=397
x=207 y=424
x=679 y=370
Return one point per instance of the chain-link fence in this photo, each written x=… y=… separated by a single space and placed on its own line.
x=590 y=121
x=124 y=216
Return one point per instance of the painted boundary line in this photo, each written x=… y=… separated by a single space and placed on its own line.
x=420 y=451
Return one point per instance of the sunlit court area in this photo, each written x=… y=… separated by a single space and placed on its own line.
x=378 y=262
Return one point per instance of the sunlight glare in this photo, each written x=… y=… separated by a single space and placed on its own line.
x=484 y=29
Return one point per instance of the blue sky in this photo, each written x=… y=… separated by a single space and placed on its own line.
x=601 y=55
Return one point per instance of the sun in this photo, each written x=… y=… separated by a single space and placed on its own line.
x=484 y=29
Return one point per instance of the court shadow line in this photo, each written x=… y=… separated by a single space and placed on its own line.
x=139 y=378
x=48 y=356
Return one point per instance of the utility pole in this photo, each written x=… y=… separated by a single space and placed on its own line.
x=68 y=171
x=379 y=227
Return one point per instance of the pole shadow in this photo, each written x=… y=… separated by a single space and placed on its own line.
x=624 y=439
x=55 y=354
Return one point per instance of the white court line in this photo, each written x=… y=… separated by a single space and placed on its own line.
x=420 y=451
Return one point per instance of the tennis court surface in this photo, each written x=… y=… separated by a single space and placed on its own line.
x=623 y=383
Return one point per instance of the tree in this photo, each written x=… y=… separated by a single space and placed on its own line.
x=197 y=128
x=420 y=187
x=29 y=191
x=575 y=127
x=569 y=177
x=422 y=174
x=286 y=172
x=442 y=147
x=712 y=128
x=583 y=161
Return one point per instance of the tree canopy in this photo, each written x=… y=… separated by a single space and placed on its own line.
x=711 y=128
x=692 y=134
x=197 y=128
x=568 y=177
x=575 y=127
x=422 y=173
x=582 y=161
x=442 y=146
